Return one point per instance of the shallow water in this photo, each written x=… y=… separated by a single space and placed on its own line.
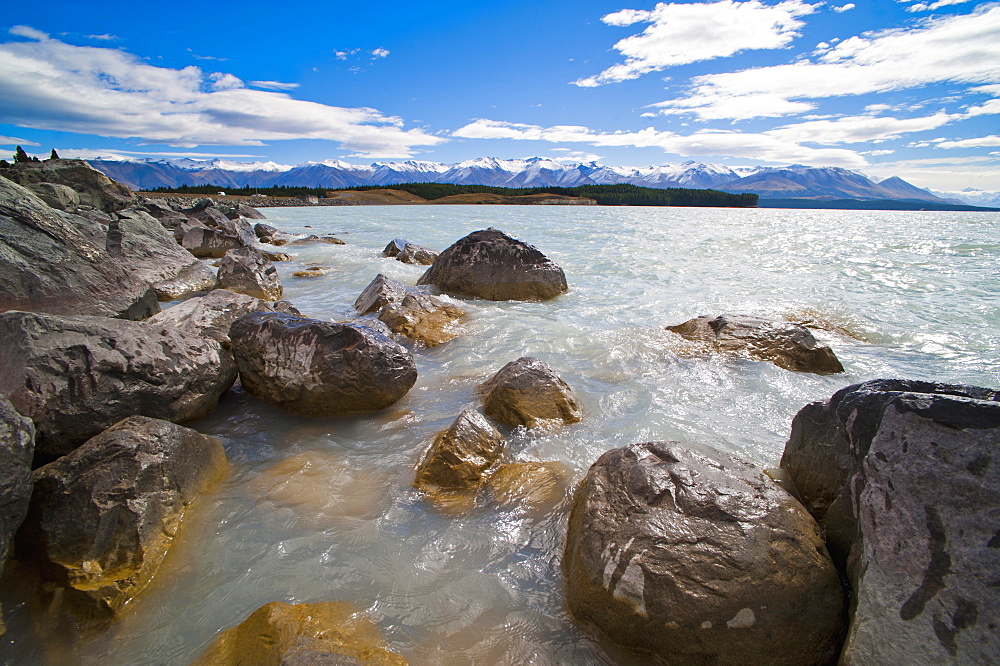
x=323 y=510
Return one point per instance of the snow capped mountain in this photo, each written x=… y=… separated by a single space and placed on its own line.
x=795 y=181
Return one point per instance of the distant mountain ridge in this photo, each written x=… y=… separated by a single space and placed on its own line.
x=796 y=181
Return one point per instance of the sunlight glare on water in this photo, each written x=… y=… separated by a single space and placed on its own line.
x=323 y=510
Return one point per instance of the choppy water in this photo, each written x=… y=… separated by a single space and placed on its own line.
x=320 y=510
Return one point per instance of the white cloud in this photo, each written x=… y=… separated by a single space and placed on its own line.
x=877 y=153
x=955 y=49
x=925 y=6
x=978 y=142
x=761 y=146
x=48 y=84
x=843 y=8
x=857 y=129
x=104 y=38
x=274 y=85
x=14 y=141
x=29 y=32
x=684 y=33
x=380 y=53
x=98 y=153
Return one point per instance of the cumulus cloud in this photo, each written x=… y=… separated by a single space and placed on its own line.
x=48 y=84
x=954 y=49
x=978 y=142
x=763 y=145
x=843 y=8
x=931 y=6
x=679 y=34
x=380 y=53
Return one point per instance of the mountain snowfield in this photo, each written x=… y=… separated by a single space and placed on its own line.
x=794 y=181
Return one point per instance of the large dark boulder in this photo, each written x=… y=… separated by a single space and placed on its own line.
x=700 y=558
x=17 y=444
x=76 y=376
x=329 y=633
x=248 y=271
x=103 y=517
x=787 y=345
x=93 y=188
x=492 y=265
x=460 y=455
x=905 y=477
x=49 y=262
x=318 y=368
x=528 y=392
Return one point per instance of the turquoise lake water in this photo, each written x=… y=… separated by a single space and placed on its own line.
x=323 y=510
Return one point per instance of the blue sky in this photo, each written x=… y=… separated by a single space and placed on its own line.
x=908 y=88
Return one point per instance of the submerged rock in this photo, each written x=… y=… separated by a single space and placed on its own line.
x=905 y=476
x=785 y=344
x=76 y=376
x=17 y=445
x=380 y=292
x=328 y=633
x=428 y=320
x=698 y=557
x=49 y=262
x=103 y=517
x=318 y=368
x=528 y=392
x=460 y=455
x=528 y=485
x=492 y=265
x=248 y=271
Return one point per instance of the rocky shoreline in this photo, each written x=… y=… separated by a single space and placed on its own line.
x=875 y=543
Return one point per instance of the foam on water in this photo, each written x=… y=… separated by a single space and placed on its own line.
x=323 y=510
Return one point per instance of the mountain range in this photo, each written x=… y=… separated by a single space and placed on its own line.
x=790 y=182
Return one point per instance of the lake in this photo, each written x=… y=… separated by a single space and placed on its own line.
x=323 y=509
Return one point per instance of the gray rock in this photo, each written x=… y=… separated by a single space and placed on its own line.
x=48 y=263
x=380 y=292
x=17 y=444
x=211 y=315
x=528 y=392
x=395 y=246
x=76 y=376
x=103 y=517
x=203 y=241
x=425 y=319
x=287 y=307
x=904 y=476
x=492 y=265
x=151 y=252
x=698 y=557
x=189 y=280
x=92 y=187
x=460 y=455
x=785 y=344
x=319 y=368
x=233 y=211
x=263 y=231
x=248 y=271
x=415 y=254
x=61 y=197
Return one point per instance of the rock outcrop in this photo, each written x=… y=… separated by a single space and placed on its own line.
x=490 y=264
x=321 y=634
x=427 y=320
x=102 y=518
x=905 y=477
x=152 y=254
x=460 y=455
x=17 y=444
x=92 y=187
x=785 y=344
x=49 y=262
x=76 y=376
x=528 y=392
x=248 y=271
x=380 y=292
x=699 y=558
x=318 y=368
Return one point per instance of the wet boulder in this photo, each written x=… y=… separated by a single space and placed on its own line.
x=409 y=253
x=320 y=634
x=55 y=262
x=787 y=345
x=318 y=368
x=395 y=246
x=699 y=558
x=76 y=376
x=17 y=445
x=490 y=264
x=92 y=187
x=905 y=477
x=528 y=392
x=211 y=315
x=248 y=271
x=264 y=231
x=460 y=455
x=425 y=319
x=380 y=292
x=103 y=517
